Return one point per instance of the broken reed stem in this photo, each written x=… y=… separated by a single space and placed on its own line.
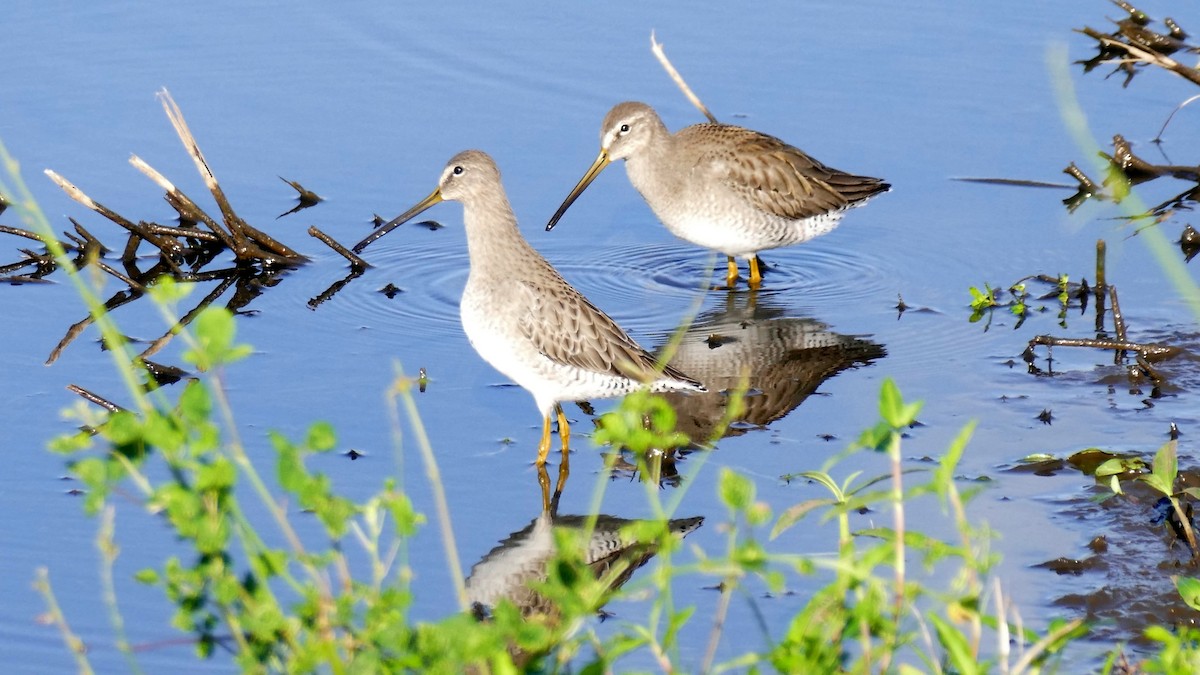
x=5 y=229
x=1152 y=58
x=1118 y=320
x=167 y=246
x=240 y=229
x=657 y=48
x=184 y=232
x=88 y=239
x=1151 y=352
x=1101 y=283
x=94 y=398
x=182 y=203
x=175 y=115
x=341 y=250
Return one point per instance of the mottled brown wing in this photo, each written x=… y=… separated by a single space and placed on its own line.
x=778 y=178
x=580 y=335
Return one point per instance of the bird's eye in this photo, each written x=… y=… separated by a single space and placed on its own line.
x=624 y=128
x=458 y=170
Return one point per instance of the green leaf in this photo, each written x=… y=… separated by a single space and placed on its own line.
x=147 y=576
x=215 y=330
x=891 y=405
x=1155 y=481
x=736 y=491
x=824 y=479
x=195 y=405
x=958 y=650
x=1189 y=590
x=220 y=475
x=793 y=514
x=167 y=291
x=321 y=437
x=1166 y=467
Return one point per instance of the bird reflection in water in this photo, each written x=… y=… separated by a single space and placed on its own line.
x=750 y=343
x=510 y=571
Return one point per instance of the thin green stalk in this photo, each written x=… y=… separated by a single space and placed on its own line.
x=402 y=388
x=1076 y=121
x=72 y=641
x=107 y=545
x=897 y=498
x=31 y=214
x=237 y=452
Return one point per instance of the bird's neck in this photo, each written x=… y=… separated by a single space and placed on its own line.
x=493 y=238
x=649 y=169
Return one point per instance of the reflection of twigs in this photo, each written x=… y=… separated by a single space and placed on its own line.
x=341 y=250
x=161 y=342
x=1149 y=57
x=355 y=272
x=657 y=48
x=108 y=268
x=1179 y=107
x=94 y=398
x=72 y=333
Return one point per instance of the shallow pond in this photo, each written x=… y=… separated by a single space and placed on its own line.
x=363 y=104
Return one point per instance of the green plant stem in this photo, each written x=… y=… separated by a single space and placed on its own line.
x=31 y=214
x=72 y=641
x=237 y=452
x=439 y=492
x=1076 y=121
x=107 y=546
x=897 y=499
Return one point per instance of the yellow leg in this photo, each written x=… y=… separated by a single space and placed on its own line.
x=544 y=444
x=755 y=274
x=732 y=275
x=564 y=430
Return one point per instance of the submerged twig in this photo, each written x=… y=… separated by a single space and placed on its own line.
x=341 y=250
x=95 y=398
x=1150 y=351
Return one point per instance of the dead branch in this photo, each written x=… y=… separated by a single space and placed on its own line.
x=657 y=48
x=93 y=398
x=355 y=261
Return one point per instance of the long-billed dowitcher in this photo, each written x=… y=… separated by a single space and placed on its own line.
x=525 y=319
x=725 y=187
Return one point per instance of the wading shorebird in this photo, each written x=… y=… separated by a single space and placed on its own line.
x=524 y=319
x=725 y=187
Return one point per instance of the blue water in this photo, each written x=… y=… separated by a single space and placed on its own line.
x=363 y=104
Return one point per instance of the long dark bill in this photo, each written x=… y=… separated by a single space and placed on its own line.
x=594 y=170
x=433 y=198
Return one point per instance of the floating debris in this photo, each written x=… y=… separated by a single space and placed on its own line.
x=307 y=198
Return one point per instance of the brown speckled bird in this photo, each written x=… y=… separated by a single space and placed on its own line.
x=525 y=319
x=725 y=187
